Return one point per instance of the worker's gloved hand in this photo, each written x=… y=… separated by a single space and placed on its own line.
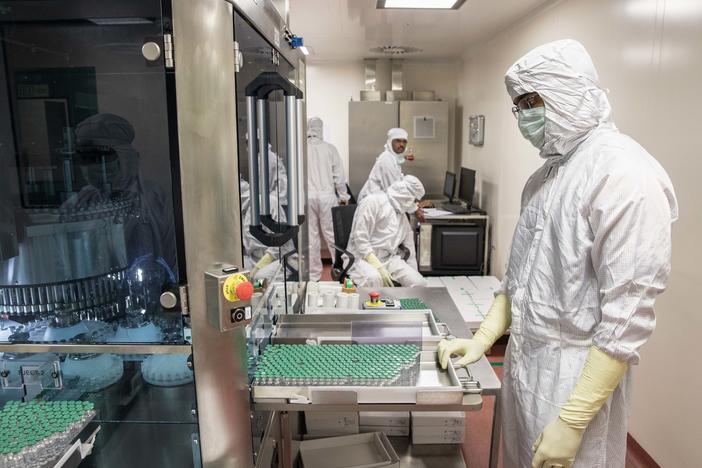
x=471 y=350
x=266 y=260
x=384 y=274
x=496 y=322
x=420 y=215
x=559 y=442
x=557 y=446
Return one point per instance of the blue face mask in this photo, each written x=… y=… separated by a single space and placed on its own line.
x=532 y=124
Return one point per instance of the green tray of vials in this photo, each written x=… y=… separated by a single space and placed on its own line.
x=37 y=432
x=413 y=304
x=342 y=364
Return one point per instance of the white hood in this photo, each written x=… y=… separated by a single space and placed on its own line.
x=403 y=193
x=563 y=74
x=315 y=128
x=396 y=134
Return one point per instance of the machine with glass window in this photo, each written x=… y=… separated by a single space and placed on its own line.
x=153 y=245
x=131 y=218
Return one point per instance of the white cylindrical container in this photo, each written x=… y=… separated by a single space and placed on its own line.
x=312 y=300
x=342 y=300
x=354 y=301
x=328 y=299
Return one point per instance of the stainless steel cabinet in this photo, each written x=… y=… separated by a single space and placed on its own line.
x=426 y=122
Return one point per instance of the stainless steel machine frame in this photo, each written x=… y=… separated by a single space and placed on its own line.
x=284 y=421
x=206 y=102
x=201 y=52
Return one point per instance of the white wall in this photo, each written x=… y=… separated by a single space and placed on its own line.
x=331 y=85
x=649 y=54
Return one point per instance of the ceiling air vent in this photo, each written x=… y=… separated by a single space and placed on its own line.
x=394 y=50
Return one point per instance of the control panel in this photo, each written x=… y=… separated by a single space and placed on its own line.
x=228 y=294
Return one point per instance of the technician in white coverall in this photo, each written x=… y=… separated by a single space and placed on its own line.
x=326 y=189
x=260 y=260
x=387 y=168
x=263 y=261
x=379 y=227
x=590 y=253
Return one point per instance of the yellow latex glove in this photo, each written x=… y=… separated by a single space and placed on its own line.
x=384 y=274
x=556 y=446
x=497 y=321
x=266 y=260
x=559 y=442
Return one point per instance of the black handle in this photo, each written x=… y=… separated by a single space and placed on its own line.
x=267 y=82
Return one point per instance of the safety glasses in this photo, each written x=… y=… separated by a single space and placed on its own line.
x=527 y=101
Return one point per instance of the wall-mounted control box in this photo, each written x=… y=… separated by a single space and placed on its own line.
x=228 y=293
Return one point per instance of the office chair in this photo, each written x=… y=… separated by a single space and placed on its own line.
x=342 y=220
x=352 y=200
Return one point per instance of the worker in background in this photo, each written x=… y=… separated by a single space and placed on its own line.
x=379 y=230
x=590 y=253
x=387 y=168
x=326 y=189
x=261 y=260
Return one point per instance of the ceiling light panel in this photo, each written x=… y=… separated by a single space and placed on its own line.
x=420 y=4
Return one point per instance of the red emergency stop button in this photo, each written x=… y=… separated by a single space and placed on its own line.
x=237 y=288
x=245 y=290
x=374 y=297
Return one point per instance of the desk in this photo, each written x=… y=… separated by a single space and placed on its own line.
x=472 y=295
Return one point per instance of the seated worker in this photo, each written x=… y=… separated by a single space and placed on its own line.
x=380 y=227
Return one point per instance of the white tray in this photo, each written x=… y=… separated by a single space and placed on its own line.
x=370 y=450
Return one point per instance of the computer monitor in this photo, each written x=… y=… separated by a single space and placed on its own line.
x=467 y=188
x=450 y=185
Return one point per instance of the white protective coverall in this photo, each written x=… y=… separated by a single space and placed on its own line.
x=254 y=250
x=386 y=169
x=590 y=253
x=326 y=188
x=380 y=226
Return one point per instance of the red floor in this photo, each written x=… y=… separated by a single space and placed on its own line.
x=476 y=446
x=326 y=271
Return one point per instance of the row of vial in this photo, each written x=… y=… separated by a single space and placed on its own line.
x=333 y=299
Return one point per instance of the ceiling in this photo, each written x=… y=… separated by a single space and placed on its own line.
x=346 y=29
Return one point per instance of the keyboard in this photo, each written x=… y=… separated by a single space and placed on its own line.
x=455 y=208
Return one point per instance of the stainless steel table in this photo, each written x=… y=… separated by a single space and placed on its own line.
x=440 y=302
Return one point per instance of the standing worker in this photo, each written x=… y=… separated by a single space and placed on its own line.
x=327 y=188
x=387 y=168
x=264 y=261
x=590 y=253
x=379 y=230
